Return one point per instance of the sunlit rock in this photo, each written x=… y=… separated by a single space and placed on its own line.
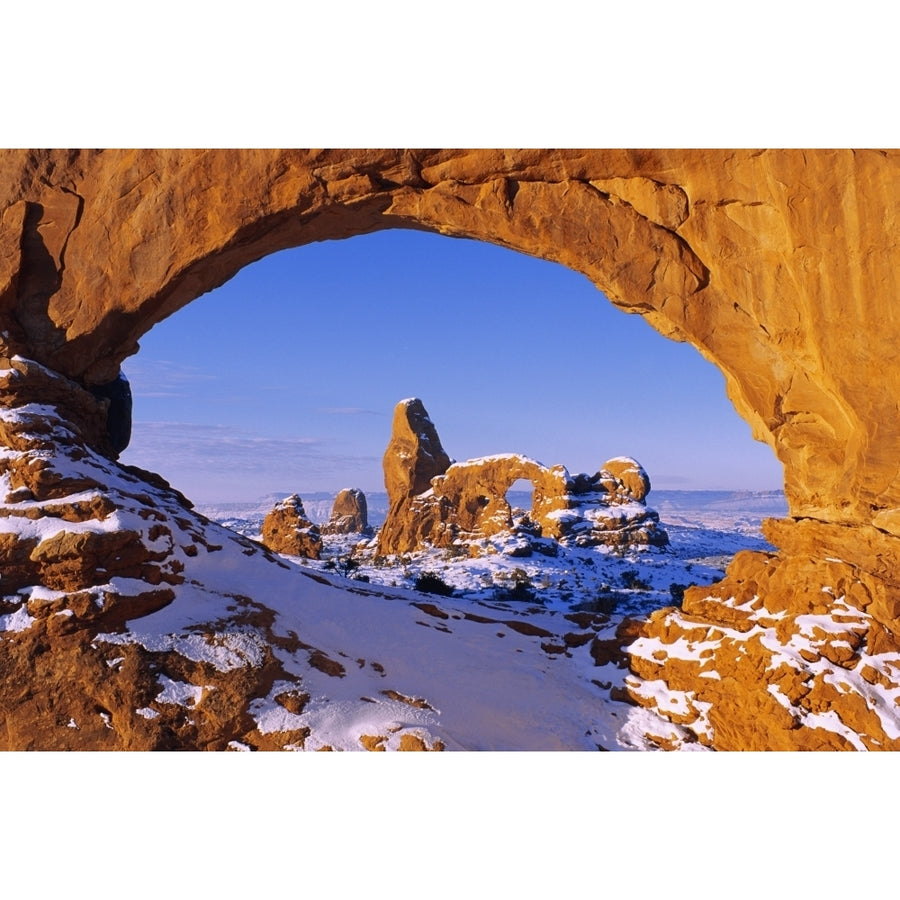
x=349 y=515
x=780 y=267
x=286 y=529
x=466 y=501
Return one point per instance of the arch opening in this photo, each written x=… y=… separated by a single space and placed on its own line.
x=294 y=373
x=311 y=354
x=520 y=497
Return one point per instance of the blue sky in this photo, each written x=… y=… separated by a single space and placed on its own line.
x=285 y=378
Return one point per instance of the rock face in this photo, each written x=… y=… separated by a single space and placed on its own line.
x=349 y=515
x=413 y=457
x=467 y=501
x=88 y=545
x=287 y=530
x=765 y=660
x=750 y=256
x=781 y=267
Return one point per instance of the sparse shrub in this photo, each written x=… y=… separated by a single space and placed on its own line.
x=606 y=603
x=429 y=583
x=631 y=581
x=456 y=551
x=520 y=589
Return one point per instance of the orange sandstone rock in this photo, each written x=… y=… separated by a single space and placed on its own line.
x=467 y=500
x=349 y=515
x=287 y=530
x=781 y=267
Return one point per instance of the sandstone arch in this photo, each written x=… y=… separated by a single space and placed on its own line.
x=778 y=266
x=753 y=257
x=435 y=502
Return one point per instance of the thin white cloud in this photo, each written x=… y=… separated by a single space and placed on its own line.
x=218 y=462
x=164 y=378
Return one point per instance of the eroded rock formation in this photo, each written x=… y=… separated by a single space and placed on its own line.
x=466 y=501
x=349 y=515
x=768 y=661
x=286 y=529
x=781 y=267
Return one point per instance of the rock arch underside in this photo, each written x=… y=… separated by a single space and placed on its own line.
x=781 y=267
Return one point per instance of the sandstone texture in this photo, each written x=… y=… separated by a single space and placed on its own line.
x=463 y=502
x=767 y=660
x=88 y=545
x=286 y=529
x=349 y=515
x=780 y=266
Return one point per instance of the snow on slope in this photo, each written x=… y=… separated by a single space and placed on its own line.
x=476 y=681
x=381 y=665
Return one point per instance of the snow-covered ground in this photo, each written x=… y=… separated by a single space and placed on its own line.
x=503 y=663
x=523 y=655
x=705 y=528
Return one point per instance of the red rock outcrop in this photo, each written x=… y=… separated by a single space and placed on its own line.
x=349 y=515
x=781 y=267
x=766 y=660
x=287 y=530
x=88 y=545
x=466 y=501
x=413 y=457
x=752 y=256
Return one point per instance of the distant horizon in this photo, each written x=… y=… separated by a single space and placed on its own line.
x=285 y=378
x=327 y=494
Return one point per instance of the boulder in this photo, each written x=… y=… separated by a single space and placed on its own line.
x=349 y=515
x=630 y=474
x=287 y=530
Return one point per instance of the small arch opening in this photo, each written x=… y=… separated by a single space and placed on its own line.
x=520 y=497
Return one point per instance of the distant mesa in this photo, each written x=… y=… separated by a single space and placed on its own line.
x=349 y=515
x=436 y=502
x=287 y=530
